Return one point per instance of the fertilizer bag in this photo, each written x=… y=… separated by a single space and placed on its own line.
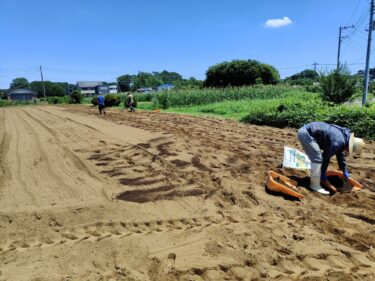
x=295 y=159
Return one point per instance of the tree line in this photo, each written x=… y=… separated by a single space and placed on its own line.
x=58 y=89
x=234 y=73
x=131 y=83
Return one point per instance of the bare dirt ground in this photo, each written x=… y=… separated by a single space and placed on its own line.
x=150 y=196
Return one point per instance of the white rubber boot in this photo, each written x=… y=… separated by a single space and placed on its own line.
x=315 y=179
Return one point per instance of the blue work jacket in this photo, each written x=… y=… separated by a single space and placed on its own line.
x=332 y=139
x=101 y=100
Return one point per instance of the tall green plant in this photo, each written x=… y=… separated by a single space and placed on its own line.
x=75 y=97
x=338 y=86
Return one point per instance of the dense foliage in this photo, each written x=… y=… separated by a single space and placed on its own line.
x=19 y=83
x=295 y=114
x=52 y=88
x=305 y=77
x=338 y=86
x=112 y=100
x=241 y=73
x=94 y=101
x=206 y=96
x=75 y=97
x=58 y=100
x=130 y=82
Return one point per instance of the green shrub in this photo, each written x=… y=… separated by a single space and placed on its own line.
x=94 y=101
x=164 y=100
x=75 y=97
x=4 y=103
x=360 y=120
x=58 y=100
x=112 y=100
x=155 y=103
x=338 y=86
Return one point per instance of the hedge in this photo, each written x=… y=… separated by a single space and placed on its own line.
x=360 y=120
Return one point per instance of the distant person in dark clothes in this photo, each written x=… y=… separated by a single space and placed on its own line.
x=130 y=102
x=101 y=104
x=316 y=137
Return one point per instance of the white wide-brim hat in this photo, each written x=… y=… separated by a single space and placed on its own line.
x=355 y=145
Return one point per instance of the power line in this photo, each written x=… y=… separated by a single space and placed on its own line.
x=354 y=12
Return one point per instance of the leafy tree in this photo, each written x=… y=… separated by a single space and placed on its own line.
x=129 y=82
x=146 y=80
x=305 y=74
x=71 y=88
x=338 y=86
x=190 y=83
x=3 y=94
x=306 y=77
x=168 y=77
x=240 y=73
x=52 y=88
x=19 y=83
x=125 y=82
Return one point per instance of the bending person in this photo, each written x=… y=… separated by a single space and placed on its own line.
x=316 y=137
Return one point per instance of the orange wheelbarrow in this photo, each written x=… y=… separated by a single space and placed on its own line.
x=356 y=185
x=279 y=183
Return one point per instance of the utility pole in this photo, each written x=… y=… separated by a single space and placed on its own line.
x=340 y=40
x=315 y=64
x=367 y=71
x=44 y=89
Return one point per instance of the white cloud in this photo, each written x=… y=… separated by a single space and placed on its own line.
x=276 y=23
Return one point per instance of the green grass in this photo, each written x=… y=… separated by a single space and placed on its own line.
x=4 y=103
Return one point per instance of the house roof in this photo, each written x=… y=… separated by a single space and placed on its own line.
x=166 y=86
x=22 y=92
x=88 y=84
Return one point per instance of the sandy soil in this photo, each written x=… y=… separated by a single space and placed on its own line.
x=150 y=196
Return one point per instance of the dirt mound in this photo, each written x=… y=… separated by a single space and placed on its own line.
x=150 y=196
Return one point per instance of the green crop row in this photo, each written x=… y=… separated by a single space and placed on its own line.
x=190 y=97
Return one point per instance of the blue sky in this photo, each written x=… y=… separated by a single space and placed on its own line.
x=99 y=40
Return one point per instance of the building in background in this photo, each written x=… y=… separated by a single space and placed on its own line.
x=145 y=90
x=113 y=89
x=88 y=87
x=102 y=90
x=22 y=95
x=165 y=87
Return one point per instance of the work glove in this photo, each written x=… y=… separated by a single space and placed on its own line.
x=346 y=175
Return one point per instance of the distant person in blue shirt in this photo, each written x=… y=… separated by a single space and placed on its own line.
x=101 y=104
x=316 y=137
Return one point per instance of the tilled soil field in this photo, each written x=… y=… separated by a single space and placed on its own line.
x=151 y=196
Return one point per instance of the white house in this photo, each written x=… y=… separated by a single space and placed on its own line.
x=113 y=89
x=88 y=87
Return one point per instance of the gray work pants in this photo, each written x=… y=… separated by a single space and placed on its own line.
x=310 y=146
